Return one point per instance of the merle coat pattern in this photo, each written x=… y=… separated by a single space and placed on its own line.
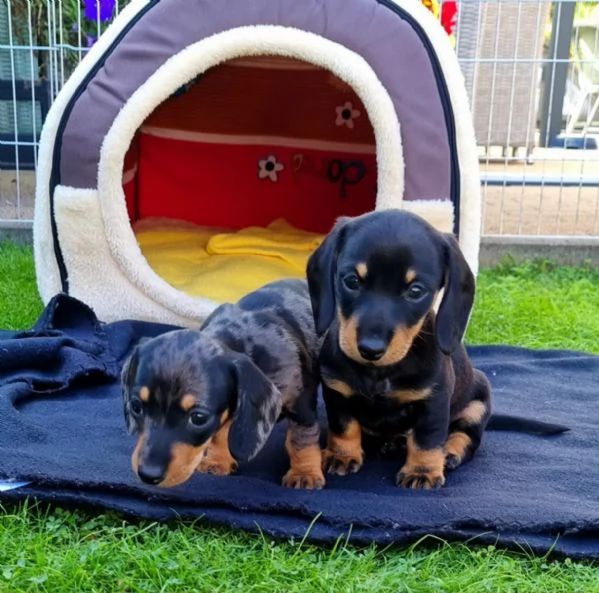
x=208 y=399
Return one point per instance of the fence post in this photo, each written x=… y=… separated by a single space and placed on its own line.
x=555 y=73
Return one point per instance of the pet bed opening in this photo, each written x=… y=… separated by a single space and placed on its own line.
x=234 y=179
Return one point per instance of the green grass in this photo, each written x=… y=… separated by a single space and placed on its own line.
x=20 y=304
x=536 y=305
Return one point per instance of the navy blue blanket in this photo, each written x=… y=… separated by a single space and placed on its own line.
x=62 y=430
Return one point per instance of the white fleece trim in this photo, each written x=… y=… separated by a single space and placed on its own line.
x=95 y=277
x=195 y=59
x=46 y=266
x=470 y=187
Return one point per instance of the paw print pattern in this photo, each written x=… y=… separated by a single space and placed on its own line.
x=269 y=168
x=346 y=114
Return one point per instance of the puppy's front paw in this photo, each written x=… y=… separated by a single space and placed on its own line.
x=341 y=463
x=309 y=480
x=410 y=476
x=218 y=462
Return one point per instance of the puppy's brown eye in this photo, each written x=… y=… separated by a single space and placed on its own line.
x=415 y=292
x=198 y=418
x=351 y=281
x=136 y=406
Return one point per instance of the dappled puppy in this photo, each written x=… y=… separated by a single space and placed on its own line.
x=208 y=399
x=393 y=368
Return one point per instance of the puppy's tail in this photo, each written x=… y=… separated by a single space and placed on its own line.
x=519 y=424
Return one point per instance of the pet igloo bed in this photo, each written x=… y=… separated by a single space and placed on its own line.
x=203 y=147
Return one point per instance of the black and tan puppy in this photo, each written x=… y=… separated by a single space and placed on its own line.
x=392 y=367
x=207 y=399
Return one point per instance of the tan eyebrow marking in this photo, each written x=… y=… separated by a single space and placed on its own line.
x=188 y=401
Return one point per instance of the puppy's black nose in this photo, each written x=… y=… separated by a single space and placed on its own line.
x=371 y=349
x=150 y=473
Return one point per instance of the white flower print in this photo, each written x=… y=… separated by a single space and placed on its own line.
x=346 y=114
x=269 y=168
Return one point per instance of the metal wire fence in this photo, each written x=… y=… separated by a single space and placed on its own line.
x=531 y=69
x=532 y=73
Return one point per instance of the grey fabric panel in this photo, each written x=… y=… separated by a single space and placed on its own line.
x=388 y=44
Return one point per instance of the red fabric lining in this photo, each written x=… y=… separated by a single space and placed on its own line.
x=219 y=185
x=203 y=166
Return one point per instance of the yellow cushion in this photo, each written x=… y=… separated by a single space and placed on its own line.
x=223 y=266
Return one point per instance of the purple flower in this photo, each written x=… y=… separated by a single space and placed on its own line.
x=89 y=39
x=102 y=9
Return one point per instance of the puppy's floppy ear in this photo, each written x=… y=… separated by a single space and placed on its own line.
x=128 y=373
x=455 y=308
x=320 y=272
x=258 y=407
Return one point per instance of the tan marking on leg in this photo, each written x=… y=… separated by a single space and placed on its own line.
x=424 y=468
x=188 y=401
x=362 y=270
x=305 y=459
x=218 y=459
x=457 y=444
x=410 y=275
x=407 y=396
x=338 y=386
x=348 y=443
x=344 y=453
x=144 y=394
x=474 y=412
